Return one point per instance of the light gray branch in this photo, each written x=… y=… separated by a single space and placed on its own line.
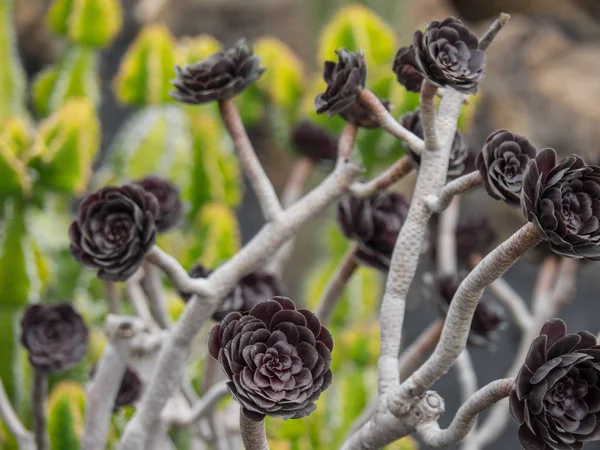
x=381 y=182
x=458 y=320
x=438 y=203
x=259 y=180
x=415 y=353
x=513 y=301
x=387 y=121
x=447 y=263
x=336 y=285
x=494 y=29
x=202 y=407
x=23 y=437
x=138 y=299
x=434 y=436
x=405 y=258
x=155 y=293
x=168 y=371
x=254 y=434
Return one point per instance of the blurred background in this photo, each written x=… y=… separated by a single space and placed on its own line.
x=542 y=81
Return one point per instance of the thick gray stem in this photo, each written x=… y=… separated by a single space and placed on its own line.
x=254 y=434
x=39 y=395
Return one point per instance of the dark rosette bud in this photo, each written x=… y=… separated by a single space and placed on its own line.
x=170 y=208
x=563 y=203
x=458 y=153
x=345 y=79
x=407 y=69
x=314 y=142
x=249 y=292
x=276 y=358
x=374 y=222
x=55 y=336
x=502 y=162
x=556 y=400
x=115 y=228
x=474 y=237
x=129 y=390
x=361 y=116
x=488 y=318
x=448 y=55
x=219 y=77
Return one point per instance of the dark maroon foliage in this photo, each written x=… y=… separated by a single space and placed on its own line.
x=219 y=77
x=360 y=116
x=407 y=69
x=55 y=336
x=557 y=396
x=502 y=162
x=447 y=54
x=276 y=358
x=314 y=142
x=345 y=79
x=115 y=228
x=170 y=208
x=562 y=200
x=374 y=222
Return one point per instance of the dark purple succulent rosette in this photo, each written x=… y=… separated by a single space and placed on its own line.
x=448 y=55
x=502 y=162
x=55 y=336
x=114 y=229
x=556 y=401
x=374 y=222
x=459 y=152
x=313 y=142
x=251 y=290
x=407 y=69
x=488 y=318
x=345 y=79
x=360 y=116
x=221 y=76
x=562 y=200
x=169 y=203
x=129 y=391
x=276 y=358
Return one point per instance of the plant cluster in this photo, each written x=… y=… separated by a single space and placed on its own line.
x=156 y=224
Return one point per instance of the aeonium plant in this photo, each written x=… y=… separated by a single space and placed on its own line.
x=276 y=357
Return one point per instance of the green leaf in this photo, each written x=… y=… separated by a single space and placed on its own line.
x=72 y=139
x=19 y=283
x=66 y=409
x=12 y=75
x=284 y=79
x=358 y=28
x=197 y=48
x=93 y=23
x=216 y=235
x=14 y=179
x=215 y=175
x=74 y=76
x=155 y=140
x=147 y=68
x=10 y=369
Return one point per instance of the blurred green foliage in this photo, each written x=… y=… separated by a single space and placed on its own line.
x=45 y=166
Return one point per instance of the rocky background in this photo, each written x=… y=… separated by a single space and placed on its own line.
x=543 y=81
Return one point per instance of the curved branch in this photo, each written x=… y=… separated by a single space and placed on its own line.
x=259 y=180
x=415 y=353
x=336 y=285
x=455 y=187
x=398 y=170
x=203 y=406
x=461 y=425
x=494 y=29
x=458 y=320
x=23 y=437
x=387 y=121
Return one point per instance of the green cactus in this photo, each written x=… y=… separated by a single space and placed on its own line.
x=74 y=76
x=92 y=23
x=12 y=75
x=147 y=68
x=66 y=409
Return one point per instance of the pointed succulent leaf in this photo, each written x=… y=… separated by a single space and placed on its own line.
x=12 y=75
x=93 y=23
x=74 y=76
x=71 y=138
x=66 y=409
x=284 y=79
x=358 y=28
x=147 y=68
